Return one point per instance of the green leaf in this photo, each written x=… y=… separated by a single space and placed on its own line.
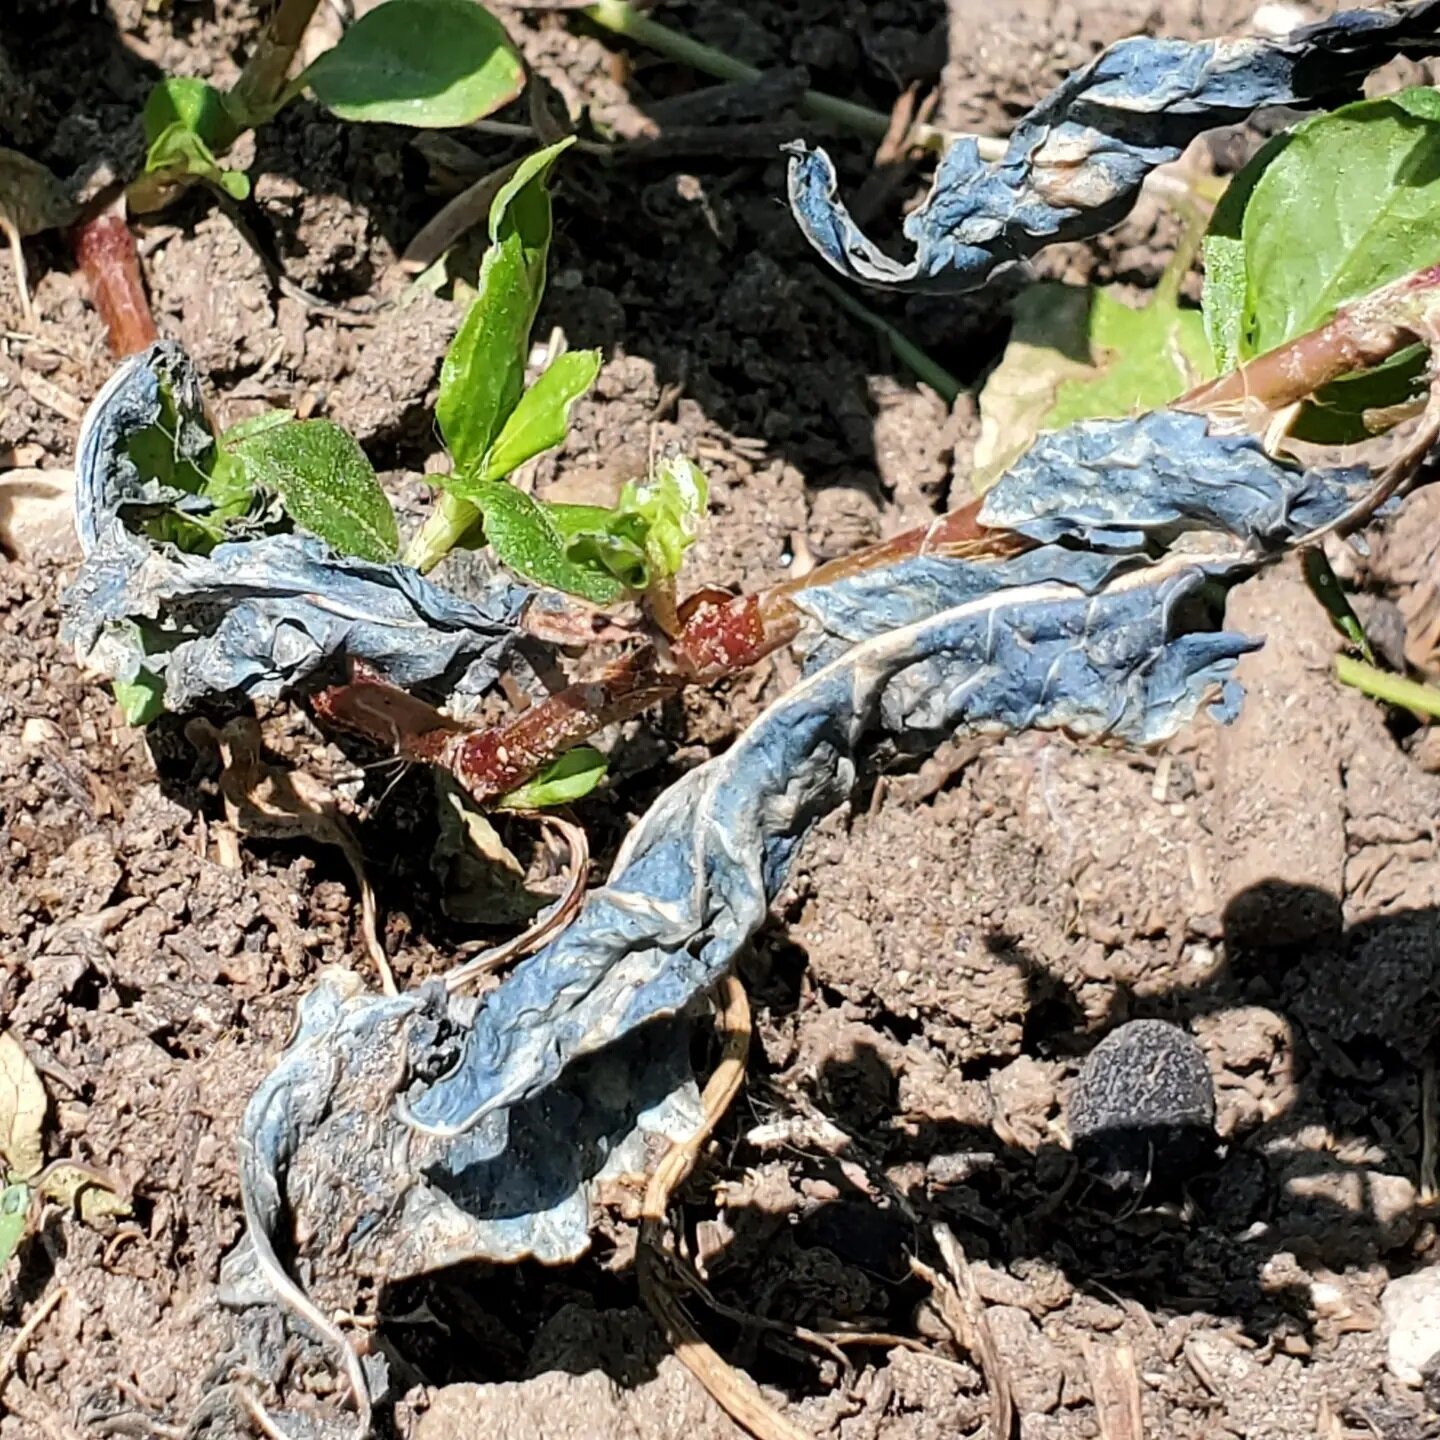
x=1143 y=359
x=255 y=425
x=194 y=105
x=426 y=63
x=186 y=124
x=526 y=540
x=23 y=1104
x=1080 y=353
x=142 y=699
x=483 y=374
x=1351 y=202
x=542 y=416
x=643 y=540
x=1222 y=300
x=325 y=484
x=671 y=506
x=573 y=776
x=14 y=1219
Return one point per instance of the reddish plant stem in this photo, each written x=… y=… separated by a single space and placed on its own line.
x=105 y=251
x=1360 y=335
x=719 y=634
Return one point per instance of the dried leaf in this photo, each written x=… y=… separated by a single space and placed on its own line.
x=23 y=1105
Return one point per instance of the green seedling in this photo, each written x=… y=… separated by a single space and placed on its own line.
x=422 y=63
x=493 y=424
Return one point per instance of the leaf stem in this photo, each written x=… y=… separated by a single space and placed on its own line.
x=448 y=524
x=1392 y=689
x=621 y=18
x=260 y=90
x=933 y=374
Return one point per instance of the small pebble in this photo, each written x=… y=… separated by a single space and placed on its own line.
x=1410 y=1308
x=1142 y=1113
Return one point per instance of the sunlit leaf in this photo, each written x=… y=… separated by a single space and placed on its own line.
x=573 y=776
x=424 y=63
x=542 y=416
x=325 y=483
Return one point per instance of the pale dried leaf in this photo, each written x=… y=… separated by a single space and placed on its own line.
x=23 y=1104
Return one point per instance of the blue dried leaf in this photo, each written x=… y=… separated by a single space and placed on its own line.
x=1075 y=163
x=259 y=616
x=554 y=1066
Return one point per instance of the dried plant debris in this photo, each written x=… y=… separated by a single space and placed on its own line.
x=257 y=615
x=1075 y=163
x=416 y=1132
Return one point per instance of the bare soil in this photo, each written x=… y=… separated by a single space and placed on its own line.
x=949 y=948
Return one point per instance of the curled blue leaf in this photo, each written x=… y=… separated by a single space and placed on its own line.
x=1074 y=165
x=260 y=615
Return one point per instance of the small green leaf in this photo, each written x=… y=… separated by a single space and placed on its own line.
x=191 y=103
x=14 y=1219
x=1325 y=586
x=573 y=776
x=142 y=699
x=522 y=534
x=671 y=506
x=542 y=416
x=426 y=63
x=255 y=425
x=1082 y=353
x=483 y=374
x=186 y=126
x=1222 y=300
x=325 y=483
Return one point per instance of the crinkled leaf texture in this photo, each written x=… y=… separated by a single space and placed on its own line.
x=1097 y=629
x=256 y=615
x=1074 y=164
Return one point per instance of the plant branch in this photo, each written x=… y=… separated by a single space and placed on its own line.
x=1360 y=336
x=621 y=18
x=933 y=374
x=257 y=94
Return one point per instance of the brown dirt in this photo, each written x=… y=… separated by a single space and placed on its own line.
x=948 y=949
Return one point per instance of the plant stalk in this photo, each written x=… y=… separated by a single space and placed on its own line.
x=105 y=251
x=259 y=91
x=447 y=525
x=1392 y=689
x=931 y=372
x=621 y=18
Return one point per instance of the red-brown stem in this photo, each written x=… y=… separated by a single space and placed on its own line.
x=105 y=250
x=1359 y=336
x=719 y=634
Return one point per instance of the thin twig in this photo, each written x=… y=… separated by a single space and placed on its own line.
x=963 y=1311
x=735 y=1392
x=555 y=919
x=27 y=1331
x=1429 y=1128
x=256 y=94
x=933 y=374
